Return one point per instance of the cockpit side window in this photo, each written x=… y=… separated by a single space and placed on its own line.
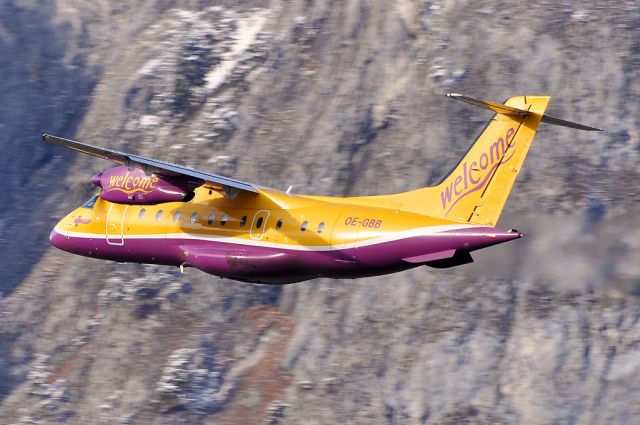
x=91 y=202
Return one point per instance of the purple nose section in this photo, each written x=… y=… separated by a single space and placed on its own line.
x=56 y=239
x=61 y=241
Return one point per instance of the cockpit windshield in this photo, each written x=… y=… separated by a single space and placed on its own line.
x=91 y=202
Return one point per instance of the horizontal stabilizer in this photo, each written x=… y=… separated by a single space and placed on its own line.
x=499 y=108
x=557 y=121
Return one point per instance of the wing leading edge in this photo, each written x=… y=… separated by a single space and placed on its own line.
x=151 y=165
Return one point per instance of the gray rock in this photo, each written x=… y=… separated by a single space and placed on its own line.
x=344 y=101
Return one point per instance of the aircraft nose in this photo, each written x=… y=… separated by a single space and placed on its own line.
x=62 y=242
x=56 y=239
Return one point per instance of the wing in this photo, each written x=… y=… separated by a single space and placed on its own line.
x=151 y=165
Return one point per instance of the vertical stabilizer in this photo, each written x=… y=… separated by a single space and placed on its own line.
x=477 y=189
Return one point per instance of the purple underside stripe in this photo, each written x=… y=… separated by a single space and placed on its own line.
x=238 y=260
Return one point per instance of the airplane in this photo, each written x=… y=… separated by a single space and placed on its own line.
x=156 y=212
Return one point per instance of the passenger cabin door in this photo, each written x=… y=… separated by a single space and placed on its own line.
x=115 y=224
x=259 y=224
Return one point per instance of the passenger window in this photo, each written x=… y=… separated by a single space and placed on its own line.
x=141 y=213
x=224 y=219
x=211 y=219
x=304 y=225
x=321 y=227
x=194 y=217
x=91 y=202
x=243 y=221
x=159 y=215
x=176 y=216
x=279 y=224
x=259 y=222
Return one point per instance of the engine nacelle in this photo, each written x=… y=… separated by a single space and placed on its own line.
x=124 y=186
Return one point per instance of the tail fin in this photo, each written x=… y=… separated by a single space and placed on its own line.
x=477 y=189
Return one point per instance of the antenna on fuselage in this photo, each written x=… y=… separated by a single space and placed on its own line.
x=289 y=189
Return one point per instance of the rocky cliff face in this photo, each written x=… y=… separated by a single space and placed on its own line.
x=336 y=98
